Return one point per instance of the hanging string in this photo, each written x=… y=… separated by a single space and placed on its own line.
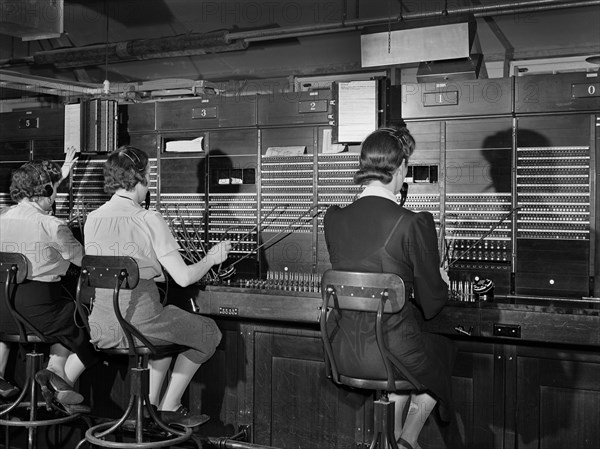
x=106 y=82
x=389 y=26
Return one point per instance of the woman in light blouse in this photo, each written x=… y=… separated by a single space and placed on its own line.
x=50 y=248
x=121 y=226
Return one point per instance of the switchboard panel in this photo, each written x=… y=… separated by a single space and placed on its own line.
x=87 y=188
x=553 y=191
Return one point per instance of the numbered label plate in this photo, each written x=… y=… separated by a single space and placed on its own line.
x=585 y=90
x=209 y=112
x=312 y=106
x=29 y=123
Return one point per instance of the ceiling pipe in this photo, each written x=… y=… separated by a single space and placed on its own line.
x=140 y=49
x=222 y=41
x=358 y=24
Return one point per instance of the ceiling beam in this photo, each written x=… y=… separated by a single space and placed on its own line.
x=223 y=41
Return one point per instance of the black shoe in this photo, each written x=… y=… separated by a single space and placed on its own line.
x=7 y=389
x=182 y=417
x=55 y=387
x=75 y=409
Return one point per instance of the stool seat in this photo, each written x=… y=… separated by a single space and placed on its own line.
x=13 y=271
x=157 y=351
x=16 y=338
x=379 y=385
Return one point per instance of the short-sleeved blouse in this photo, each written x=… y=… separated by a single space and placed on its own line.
x=45 y=240
x=121 y=227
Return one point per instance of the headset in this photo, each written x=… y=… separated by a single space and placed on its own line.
x=139 y=170
x=135 y=165
x=398 y=135
x=48 y=189
x=403 y=141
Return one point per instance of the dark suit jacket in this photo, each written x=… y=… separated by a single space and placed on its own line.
x=374 y=234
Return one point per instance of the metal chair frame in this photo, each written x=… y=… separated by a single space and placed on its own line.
x=13 y=271
x=376 y=293
x=122 y=273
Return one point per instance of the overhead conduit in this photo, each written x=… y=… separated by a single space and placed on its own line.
x=224 y=41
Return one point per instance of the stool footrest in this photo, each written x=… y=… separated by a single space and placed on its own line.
x=90 y=436
x=39 y=423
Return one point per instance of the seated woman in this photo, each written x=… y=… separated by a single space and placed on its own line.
x=50 y=248
x=376 y=234
x=121 y=226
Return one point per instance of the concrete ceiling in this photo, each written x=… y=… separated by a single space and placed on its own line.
x=326 y=36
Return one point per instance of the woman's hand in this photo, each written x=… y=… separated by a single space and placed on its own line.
x=220 y=252
x=444 y=275
x=70 y=159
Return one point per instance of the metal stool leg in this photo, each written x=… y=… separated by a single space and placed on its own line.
x=383 y=426
x=34 y=362
x=139 y=387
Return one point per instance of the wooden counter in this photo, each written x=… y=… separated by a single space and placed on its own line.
x=528 y=375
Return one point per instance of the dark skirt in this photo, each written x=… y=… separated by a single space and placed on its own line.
x=45 y=307
x=428 y=357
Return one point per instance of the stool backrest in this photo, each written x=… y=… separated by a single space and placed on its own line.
x=116 y=273
x=13 y=271
x=369 y=293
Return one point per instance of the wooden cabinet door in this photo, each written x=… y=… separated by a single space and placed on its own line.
x=295 y=404
x=557 y=403
x=477 y=388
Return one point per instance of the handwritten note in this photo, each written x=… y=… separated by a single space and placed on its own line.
x=328 y=146
x=286 y=151
x=185 y=146
x=73 y=126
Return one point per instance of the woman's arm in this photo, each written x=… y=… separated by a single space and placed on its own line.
x=430 y=286
x=185 y=275
x=70 y=160
x=67 y=245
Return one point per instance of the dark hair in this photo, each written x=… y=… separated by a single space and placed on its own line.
x=31 y=180
x=381 y=154
x=124 y=168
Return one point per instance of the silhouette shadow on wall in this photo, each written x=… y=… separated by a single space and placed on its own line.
x=531 y=391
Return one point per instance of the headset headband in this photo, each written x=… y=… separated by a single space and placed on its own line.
x=136 y=166
x=32 y=165
x=398 y=135
x=48 y=189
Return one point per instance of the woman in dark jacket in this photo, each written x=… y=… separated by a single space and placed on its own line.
x=376 y=234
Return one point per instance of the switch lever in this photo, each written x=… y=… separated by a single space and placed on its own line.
x=461 y=330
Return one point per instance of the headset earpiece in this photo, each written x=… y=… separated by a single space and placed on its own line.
x=48 y=191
